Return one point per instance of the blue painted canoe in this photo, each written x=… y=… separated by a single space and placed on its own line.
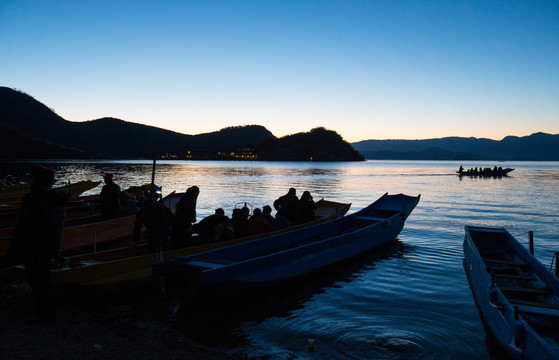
x=288 y=255
x=517 y=296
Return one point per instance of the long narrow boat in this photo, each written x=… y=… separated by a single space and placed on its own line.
x=288 y=255
x=77 y=213
x=113 y=268
x=13 y=197
x=89 y=234
x=518 y=297
x=485 y=173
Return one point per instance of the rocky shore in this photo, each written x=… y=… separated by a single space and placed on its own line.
x=137 y=329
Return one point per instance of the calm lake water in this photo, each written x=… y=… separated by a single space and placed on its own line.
x=410 y=300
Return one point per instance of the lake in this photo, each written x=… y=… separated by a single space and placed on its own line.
x=408 y=300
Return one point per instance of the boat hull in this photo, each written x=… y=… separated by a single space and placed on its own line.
x=490 y=280
x=290 y=255
x=13 y=197
x=111 y=269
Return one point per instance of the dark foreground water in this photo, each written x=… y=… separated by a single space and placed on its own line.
x=410 y=300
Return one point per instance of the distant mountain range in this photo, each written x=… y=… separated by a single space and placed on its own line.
x=536 y=147
x=29 y=129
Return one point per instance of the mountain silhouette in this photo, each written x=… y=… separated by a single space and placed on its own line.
x=32 y=130
x=535 y=147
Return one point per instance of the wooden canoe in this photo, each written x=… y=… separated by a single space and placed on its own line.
x=13 y=198
x=285 y=256
x=517 y=296
x=112 y=268
x=77 y=212
x=90 y=236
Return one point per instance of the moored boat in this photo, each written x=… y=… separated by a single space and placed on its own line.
x=113 y=268
x=288 y=255
x=13 y=197
x=517 y=296
x=89 y=236
x=77 y=212
x=90 y=233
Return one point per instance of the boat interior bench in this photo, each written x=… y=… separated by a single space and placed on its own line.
x=539 y=310
x=209 y=263
x=368 y=218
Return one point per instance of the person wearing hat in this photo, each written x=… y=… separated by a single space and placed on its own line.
x=37 y=238
x=110 y=198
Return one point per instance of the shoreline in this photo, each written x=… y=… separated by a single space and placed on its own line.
x=132 y=329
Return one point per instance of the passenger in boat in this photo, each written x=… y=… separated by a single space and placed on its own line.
x=37 y=238
x=287 y=205
x=185 y=216
x=267 y=215
x=240 y=222
x=280 y=222
x=158 y=221
x=257 y=224
x=460 y=169
x=307 y=208
x=110 y=198
x=213 y=228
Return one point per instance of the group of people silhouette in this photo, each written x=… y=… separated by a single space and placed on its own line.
x=476 y=171
x=289 y=211
x=168 y=231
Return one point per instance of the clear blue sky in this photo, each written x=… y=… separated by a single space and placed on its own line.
x=366 y=69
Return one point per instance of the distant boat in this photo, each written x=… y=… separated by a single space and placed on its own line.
x=291 y=254
x=518 y=297
x=485 y=173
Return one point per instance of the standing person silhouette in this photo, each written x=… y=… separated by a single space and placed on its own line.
x=110 y=198
x=185 y=216
x=158 y=221
x=37 y=238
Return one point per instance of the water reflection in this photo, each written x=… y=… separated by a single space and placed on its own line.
x=220 y=320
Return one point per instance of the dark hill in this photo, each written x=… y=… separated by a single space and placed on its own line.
x=16 y=145
x=106 y=137
x=317 y=145
x=32 y=130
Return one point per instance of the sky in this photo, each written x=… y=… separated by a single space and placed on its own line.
x=371 y=69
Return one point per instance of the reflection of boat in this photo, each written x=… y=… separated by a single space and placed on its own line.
x=116 y=267
x=518 y=297
x=298 y=252
x=485 y=173
x=12 y=196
